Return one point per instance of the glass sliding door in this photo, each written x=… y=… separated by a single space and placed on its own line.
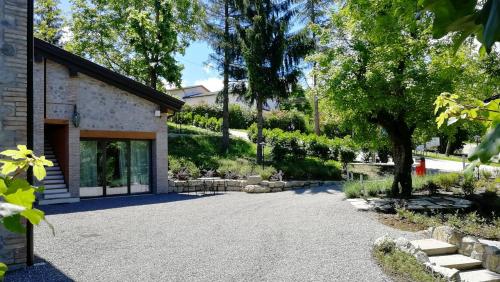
x=114 y=167
x=140 y=158
x=90 y=178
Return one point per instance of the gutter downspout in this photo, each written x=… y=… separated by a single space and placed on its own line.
x=29 y=122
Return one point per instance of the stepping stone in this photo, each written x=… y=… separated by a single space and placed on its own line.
x=459 y=262
x=434 y=247
x=482 y=275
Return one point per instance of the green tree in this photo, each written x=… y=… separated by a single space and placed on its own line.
x=270 y=51
x=222 y=36
x=136 y=38
x=48 y=21
x=377 y=68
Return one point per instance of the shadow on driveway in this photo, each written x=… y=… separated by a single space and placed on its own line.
x=40 y=271
x=119 y=202
x=321 y=189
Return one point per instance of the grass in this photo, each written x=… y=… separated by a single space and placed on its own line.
x=469 y=223
x=402 y=266
x=356 y=189
x=189 y=130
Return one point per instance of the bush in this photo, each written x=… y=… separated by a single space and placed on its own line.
x=240 y=118
x=447 y=180
x=181 y=166
x=286 y=121
x=347 y=155
x=241 y=168
x=358 y=189
x=431 y=187
x=310 y=168
x=468 y=184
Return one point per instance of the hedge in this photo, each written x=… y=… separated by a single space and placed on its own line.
x=299 y=146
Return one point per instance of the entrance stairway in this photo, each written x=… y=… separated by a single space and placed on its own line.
x=56 y=191
x=445 y=255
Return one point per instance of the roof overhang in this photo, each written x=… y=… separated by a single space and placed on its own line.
x=77 y=64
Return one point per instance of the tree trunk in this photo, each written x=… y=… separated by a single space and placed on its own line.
x=225 y=102
x=260 y=125
x=317 y=129
x=448 y=147
x=153 y=79
x=403 y=160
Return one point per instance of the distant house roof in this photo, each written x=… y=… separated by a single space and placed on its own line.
x=78 y=64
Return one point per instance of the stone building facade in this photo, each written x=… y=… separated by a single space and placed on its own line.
x=13 y=104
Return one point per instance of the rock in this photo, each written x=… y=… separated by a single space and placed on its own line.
x=265 y=183
x=467 y=245
x=450 y=274
x=447 y=234
x=491 y=257
x=256 y=189
x=405 y=245
x=274 y=190
x=254 y=179
x=384 y=243
x=427 y=233
x=421 y=257
x=277 y=184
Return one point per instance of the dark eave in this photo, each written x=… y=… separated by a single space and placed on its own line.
x=78 y=64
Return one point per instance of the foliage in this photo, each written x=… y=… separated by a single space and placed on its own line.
x=356 y=189
x=309 y=168
x=48 y=21
x=240 y=168
x=270 y=51
x=480 y=18
x=487 y=112
x=376 y=65
x=431 y=187
x=469 y=223
x=139 y=39
x=468 y=184
x=182 y=165
x=402 y=265
x=446 y=180
x=286 y=120
x=239 y=118
x=18 y=194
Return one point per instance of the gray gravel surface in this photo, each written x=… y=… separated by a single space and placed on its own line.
x=303 y=235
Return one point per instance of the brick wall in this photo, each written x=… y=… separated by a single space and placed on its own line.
x=13 y=104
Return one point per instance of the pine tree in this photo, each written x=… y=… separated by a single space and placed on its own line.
x=222 y=36
x=48 y=21
x=271 y=53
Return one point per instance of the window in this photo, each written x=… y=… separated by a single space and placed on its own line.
x=114 y=167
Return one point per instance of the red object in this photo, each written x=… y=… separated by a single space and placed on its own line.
x=420 y=170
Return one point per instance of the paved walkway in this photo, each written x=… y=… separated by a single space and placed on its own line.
x=303 y=235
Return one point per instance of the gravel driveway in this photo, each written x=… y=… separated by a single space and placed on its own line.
x=303 y=235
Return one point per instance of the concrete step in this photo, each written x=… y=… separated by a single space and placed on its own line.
x=50 y=156
x=55 y=191
x=53 y=177
x=457 y=261
x=54 y=172
x=52 y=168
x=481 y=275
x=58 y=201
x=55 y=181
x=434 y=247
x=56 y=195
x=55 y=186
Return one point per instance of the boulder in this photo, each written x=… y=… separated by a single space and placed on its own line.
x=467 y=245
x=450 y=274
x=405 y=245
x=421 y=256
x=265 y=183
x=274 y=190
x=491 y=256
x=254 y=179
x=277 y=184
x=256 y=189
x=447 y=234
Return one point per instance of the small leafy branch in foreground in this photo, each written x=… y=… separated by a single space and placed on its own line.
x=486 y=112
x=17 y=194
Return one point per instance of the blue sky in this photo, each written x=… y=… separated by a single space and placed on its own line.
x=195 y=62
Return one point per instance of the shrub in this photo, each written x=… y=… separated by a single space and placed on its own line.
x=431 y=187
x=468 y=186
x=180 y=165
x=347 y=155
x=240 y=118
x=447 y=180
x=353 y=189
x=286 y=121
x=310 y=168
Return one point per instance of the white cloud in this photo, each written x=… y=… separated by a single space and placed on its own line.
x=208 y=68
x=212 y=83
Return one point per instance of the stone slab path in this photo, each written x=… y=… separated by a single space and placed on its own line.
x=420 y=203
x=301 y=235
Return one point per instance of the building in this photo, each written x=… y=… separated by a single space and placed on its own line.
x=200 y=95
x=106 y=133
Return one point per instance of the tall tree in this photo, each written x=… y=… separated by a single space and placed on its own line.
x=271 y=53
x=48 y=21
x=138 y=38
x=313 y=13
x=378 y=68
x=221 y=35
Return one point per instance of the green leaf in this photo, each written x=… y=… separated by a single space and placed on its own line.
x=8 y=168
x=489 y=147
x=18 y=184
x=24 y=198
x=39 y=172
x=3 y=270
x=13 y=224
x=35 y=216
x=3 y=187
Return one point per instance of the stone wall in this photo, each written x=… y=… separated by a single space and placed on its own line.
x=13 y=104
